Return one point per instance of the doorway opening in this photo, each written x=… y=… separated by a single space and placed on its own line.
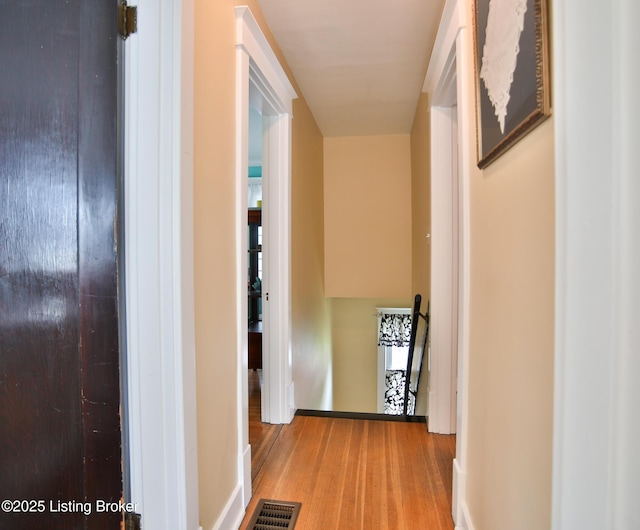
x=261 y=434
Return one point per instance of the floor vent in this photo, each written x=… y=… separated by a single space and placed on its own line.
x=274 y=514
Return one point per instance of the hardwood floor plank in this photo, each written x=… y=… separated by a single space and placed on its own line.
x=360 y=474
x=262 y=436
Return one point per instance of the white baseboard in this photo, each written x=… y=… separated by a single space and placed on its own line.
x=246 y=460
x=465 y=522
x=460 y=510
x=458 y=491
x=233 y=513
x=292 y=402
x=455 y=492
x=466 y=518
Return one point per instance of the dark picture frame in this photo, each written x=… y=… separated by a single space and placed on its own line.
x=529 y=103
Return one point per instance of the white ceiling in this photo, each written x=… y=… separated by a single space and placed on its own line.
x=359 y=63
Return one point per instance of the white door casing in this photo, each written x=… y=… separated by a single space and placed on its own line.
x=262 y=83
x=160 y=446
x=596 y=464
x=448 y=85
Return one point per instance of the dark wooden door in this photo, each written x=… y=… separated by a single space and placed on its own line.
x=60 y=424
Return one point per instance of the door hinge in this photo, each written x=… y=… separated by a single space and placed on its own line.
x=127 y=19
x=132 y=521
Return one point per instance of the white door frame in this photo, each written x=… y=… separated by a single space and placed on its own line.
x=160 y=441
x=444 y=266
x=448 y=85
x=261 y=82
x=596 y=465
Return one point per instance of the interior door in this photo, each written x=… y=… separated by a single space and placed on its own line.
x=60 y=424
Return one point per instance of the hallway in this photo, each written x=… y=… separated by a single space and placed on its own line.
x=357 y=474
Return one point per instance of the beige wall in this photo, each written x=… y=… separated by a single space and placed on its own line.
x=512 y=335
x=511 y=338
x=367 y=187
x=367 y=198
x=355 y=351
x=368 y=183
x=215 y=247
x=311 y=319
x=421 y=201
x=215 y=301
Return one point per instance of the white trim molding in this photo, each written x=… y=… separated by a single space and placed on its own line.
x=270 y=77
x=596 y=464
x=444 y=269
x=277 y=401
x=161 y=446
x=450 y=90
x=233 y=512
x=460 y=508
x=262 y=83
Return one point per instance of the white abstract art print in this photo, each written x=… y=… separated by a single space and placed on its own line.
x=512 y=72
x=500 y=53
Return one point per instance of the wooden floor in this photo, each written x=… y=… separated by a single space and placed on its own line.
x=351 y=474
x=262 y=436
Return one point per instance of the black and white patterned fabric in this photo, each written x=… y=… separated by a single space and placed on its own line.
x=394 y=391
x=395 y=330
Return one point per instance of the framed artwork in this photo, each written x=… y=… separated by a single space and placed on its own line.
x=511 y=74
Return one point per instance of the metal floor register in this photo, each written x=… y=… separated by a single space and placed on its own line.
x=274 y=514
